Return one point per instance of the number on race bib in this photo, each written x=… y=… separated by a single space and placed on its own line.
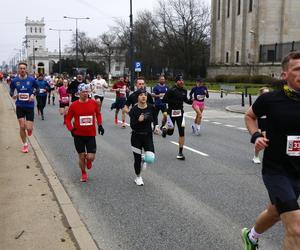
x=293 y=146
x=86 y=120
x=176 y=113
x=24 y=96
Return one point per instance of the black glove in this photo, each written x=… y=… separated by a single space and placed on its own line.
x=72 y=131
x=255 y=136
x=100 y=130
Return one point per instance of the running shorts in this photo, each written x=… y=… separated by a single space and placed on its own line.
x=99 y=97
x=27 y=113
x=198 y=104
x=85 y=144
x=120 y=103
x=62 y=105
x=283 y=191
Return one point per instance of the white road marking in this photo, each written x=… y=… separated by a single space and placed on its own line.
x=229 y=126
x=217 y=123
x=191 y=149
x=242 y=129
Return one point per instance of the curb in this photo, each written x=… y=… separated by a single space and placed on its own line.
x=81 y=234
x=233 y=110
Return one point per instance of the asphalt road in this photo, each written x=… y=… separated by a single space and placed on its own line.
x=200 y=203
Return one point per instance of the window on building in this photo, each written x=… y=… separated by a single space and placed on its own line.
x=30 y=29
x=40 y=30
x=239 y=7
x=35 y=30
x=271 y=55
x=219 y=9
x=227 y=57
x=250 y=5
x=237 y=57
x=228 y=8
x=117 y=68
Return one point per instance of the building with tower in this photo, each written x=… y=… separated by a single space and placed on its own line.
x=40 y=60
x=252 y=36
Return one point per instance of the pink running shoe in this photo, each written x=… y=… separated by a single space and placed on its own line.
x=25 y=148
x=89 y=164
x=29 y=132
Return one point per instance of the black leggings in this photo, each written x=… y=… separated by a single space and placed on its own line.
x=41 y=102
x=139 y=142
x=178 y=121
x=156 y=112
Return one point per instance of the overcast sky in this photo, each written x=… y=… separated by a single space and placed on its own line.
x=102 y=14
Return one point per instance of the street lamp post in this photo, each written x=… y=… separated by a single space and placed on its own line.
x=59 y=46
x=76 y=18
x=131 y=49
x=109 y=60
x=33 y=56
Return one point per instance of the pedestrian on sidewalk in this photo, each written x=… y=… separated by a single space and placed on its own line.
x=281 y=159
x=27 y=88
x=84 y=111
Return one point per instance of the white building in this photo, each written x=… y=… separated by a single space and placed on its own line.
x=40 y=60
x=252 y=36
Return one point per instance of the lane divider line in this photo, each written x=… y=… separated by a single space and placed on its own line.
x=191 y=149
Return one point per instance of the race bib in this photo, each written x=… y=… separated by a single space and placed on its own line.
x=86 y=120
x=161 y=95
x=65 y=99
x=123 y=91
x=293 y=145
x=24 y=96
x=98 y=87
x=200 y=97
x=42 y=91
x=176 y=113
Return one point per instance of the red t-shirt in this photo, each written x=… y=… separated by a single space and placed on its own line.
x=84 y=114
x=63 y=95
x=121 y=93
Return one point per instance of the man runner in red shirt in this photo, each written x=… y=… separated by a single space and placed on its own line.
x=84 y=111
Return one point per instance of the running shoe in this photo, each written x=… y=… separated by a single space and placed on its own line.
x=164 y=132
x=180 y=157
x=248 y=244
x=139 y=181
x=198 y=131
x=193 y=129
x=89 y=164
x=43 y=118
x=83 y=177
x=29 y=132
x=25 y=149
x=123 y=125
x=256 y=160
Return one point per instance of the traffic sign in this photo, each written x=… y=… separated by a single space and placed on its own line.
x=137 y=67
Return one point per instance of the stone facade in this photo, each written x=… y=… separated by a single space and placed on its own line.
x=252 y=36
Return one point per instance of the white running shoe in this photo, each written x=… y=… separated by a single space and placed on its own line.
x=198 y=131
x=139 y=181
x=256 y=160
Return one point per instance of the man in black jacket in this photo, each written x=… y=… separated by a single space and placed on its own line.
x=73 y=87
x=175 y=97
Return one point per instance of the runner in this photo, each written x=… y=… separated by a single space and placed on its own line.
x=98 y=86
x=27 y=88
x=64 y=99
x=261 y=127
x=84 y=111
x=281 y=159
x=141 y=118
x=73 y=88
x=133 y=98
x=120 y=88
x=175 y=97
x=41 y=97
x=198 y=94
x=51 y=94
x=126 y=80
x=158 y=93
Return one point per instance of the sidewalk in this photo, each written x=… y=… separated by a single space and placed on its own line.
x=30 y=216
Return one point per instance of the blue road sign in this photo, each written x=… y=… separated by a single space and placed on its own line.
x=137 y=67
